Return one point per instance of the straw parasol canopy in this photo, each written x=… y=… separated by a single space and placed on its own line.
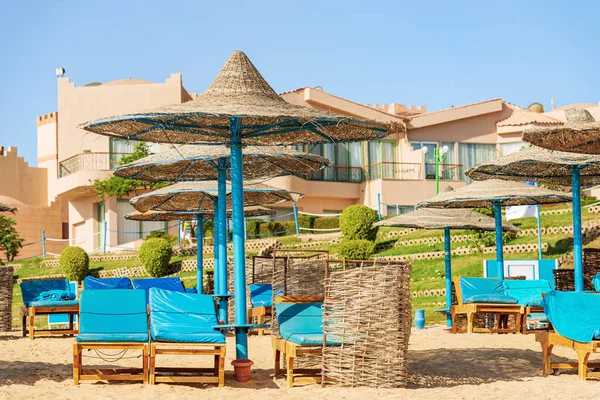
x=540 y=165
x=255 y=211
x=580 y=134
x=486 y=193
x=430 y=218
x=194 y=163
x=7 y=208
x=239 y=90
x=199 y=197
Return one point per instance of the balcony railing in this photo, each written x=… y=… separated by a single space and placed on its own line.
x=339 y=174
x=393 y=170
x=448 y=172
x=89 y=162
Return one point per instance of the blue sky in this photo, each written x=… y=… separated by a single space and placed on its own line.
x=433 y=53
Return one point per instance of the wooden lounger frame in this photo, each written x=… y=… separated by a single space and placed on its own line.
x=471 y=309
x=257 y=315
x=529 y=310
x=550 y=339
x=109 y=374
x=291 y=350
x=28 y=320
x=175 y=374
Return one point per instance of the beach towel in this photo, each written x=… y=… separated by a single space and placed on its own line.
x=574 y=315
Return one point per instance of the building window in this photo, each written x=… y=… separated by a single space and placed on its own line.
x=509 y=148
x=471 y=154
x=130 y=231
x=121 y=147
x=345 y=162
x=398 y=210
x=382 y=157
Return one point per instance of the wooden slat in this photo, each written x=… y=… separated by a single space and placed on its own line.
x=205 y=352
x=111 y=378
x=191 y=379
x=111 y=371
x=185 y=369
x=299 y=299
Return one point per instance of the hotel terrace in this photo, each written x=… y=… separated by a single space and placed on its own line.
x=395 y=170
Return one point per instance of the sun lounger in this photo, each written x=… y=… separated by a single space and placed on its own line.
x=261 y=299
x=184 y=324
x=172 y=284
x=44 y=297
x=112 y=320
x=485 y=296
x=91 y=283
x=300 y=321
x=529 y=294
x=576 y=323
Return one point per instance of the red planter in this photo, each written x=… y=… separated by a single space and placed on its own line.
x=242 y=368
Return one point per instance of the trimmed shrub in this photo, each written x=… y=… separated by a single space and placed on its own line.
x=327 y=223
x=252 y=227
x=75 y=263
x=171 y=239
x=155 y=254
x=290 y=227
x=306 y=221
x=271 y=229
x=356 y=223
x=356 y=249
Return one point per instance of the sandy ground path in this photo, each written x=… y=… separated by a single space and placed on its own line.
x=442 y=366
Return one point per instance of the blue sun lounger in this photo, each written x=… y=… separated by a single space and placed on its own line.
x=261 y=299
x=576 y=323
x=91 y=283
x=484 y=296
x=184 y=324
x=529 y=294
x=300 y=321
x=172 y=284
x=44 y=297
x=112 y=319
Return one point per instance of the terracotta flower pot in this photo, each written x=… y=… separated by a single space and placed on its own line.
x=242 y=367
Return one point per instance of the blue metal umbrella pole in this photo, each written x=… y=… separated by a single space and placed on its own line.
x=499 y=250
x=216 y=275
x=239 y=260
x=222 y=228
x=447 y=256
x=199 y=258
x=577 y=240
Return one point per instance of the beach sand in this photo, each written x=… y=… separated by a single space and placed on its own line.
x=442 y=366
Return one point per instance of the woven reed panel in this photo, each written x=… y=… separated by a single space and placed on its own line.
x=368 y=309
x=6 y=292
x=564 y=279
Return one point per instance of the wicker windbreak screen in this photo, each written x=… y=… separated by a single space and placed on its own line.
x=367 y=309
x=6 y=294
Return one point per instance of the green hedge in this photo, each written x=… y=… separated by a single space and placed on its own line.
x=327 y=223
x=75 y=263
x=306 y=221
x=356 y=249
x=155 y=254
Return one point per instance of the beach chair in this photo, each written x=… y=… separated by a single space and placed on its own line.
x=529 y=294
x=261 y=299
x=576 y=325
x=112 y=320
x=45 y=297
x=484 y=296
x=91 y=283
x=300 y=321
x=172 y=284
x=184 y=324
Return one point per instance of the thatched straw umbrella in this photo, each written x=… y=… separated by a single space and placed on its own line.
x=198 y=198
x=239 y=107
x=198 y=163
x=7 y=208
x=579 y=134
x=541 y=165
x=496 y=193
x=429 y=218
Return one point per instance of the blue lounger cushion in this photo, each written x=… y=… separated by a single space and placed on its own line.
x=261 y=294
x=596 y=282
x=528 y=292
x=574 y=315
x=31 y=290
x=183 y=317
x=113 y=315
x=54 y=303
x=106 y=283
x=173 y=284
x=484 y=290
x=191 y=290
x=302 y=323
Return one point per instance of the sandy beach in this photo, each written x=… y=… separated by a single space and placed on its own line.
x=441 y=366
